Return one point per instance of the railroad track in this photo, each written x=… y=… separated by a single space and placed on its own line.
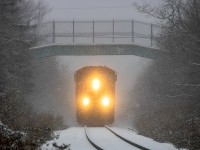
x=117 y=135
x=90 y=141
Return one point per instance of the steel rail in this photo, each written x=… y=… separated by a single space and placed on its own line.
x=126 y=140
x=90 y=141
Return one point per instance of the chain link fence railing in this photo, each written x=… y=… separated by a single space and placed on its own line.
x=98 y=32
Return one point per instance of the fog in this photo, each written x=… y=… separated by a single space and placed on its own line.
x=95 y=9
x=54 y=86
x=128 y=69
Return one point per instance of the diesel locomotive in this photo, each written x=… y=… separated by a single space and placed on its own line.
x=95 y=95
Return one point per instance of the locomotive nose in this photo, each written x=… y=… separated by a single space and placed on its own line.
x=95 y=95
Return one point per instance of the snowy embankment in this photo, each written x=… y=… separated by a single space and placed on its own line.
x=10 y=139
x=74 y=139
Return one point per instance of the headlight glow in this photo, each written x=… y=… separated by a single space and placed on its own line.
x=95 y=84
x=105 y=101
x=86 y=101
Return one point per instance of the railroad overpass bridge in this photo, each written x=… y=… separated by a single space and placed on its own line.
x=110 y=37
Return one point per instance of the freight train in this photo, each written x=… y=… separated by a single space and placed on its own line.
x=95 y=95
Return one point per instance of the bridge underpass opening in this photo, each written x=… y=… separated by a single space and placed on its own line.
x=128 y=68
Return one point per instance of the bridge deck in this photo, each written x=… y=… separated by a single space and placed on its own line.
x=96 y=49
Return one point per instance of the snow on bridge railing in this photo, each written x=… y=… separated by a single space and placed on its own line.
x=98 y=32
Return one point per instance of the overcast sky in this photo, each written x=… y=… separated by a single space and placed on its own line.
x=96 y=9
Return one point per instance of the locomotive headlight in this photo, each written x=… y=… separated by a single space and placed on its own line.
x=96 y=84
x=105 y=101
x=86 y=101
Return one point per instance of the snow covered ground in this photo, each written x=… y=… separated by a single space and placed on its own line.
x=75 y=136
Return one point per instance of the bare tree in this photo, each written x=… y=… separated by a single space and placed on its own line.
x=171 y=86
x=17 y=18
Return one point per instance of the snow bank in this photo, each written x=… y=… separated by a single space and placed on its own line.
x=75 y=139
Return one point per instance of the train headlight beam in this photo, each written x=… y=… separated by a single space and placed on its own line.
x=96 y=84
x=86 y=101
x=105 y=101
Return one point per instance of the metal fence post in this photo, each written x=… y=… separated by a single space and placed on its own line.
x=113 y=31
x=54 y=28
x=93 y=32
x=132 y=31
x=73 y=32
x=151 y=35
